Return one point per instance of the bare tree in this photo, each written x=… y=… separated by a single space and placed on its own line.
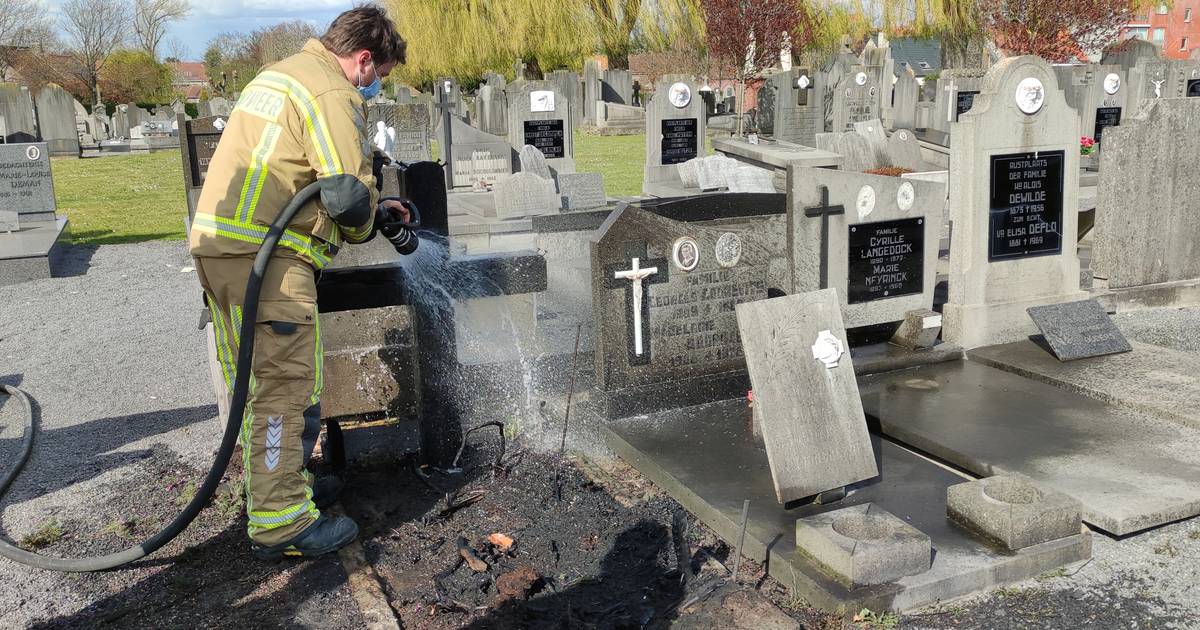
x=94 y=29
x=22 y=24
x=282 y=40
x=176 y=49
x=151 y=18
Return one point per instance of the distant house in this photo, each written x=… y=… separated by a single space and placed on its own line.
x=191 y=79
x=924 y=56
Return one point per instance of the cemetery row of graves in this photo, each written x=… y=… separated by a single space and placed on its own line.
x=914 y=280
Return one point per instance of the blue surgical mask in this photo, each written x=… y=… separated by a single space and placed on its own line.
x=369 y=92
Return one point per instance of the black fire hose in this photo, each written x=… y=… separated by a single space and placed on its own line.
x=233 y=425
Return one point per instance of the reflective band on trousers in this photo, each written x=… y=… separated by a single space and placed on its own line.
x=255 y=233
x=271 y=520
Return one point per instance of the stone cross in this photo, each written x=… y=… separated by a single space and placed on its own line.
x=824 y=211
x=951 y=90
x=636 y=274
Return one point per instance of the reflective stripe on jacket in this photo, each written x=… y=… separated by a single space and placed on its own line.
x=297 y=122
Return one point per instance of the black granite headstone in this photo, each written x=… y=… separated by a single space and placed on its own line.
x=966 y=99
x=547 y=136
x=1078 y=330
x=1106 y=117
x=1026 y=205
x=886 y=260
x=679 y=141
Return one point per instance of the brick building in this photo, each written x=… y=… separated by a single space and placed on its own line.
x=1175 y=29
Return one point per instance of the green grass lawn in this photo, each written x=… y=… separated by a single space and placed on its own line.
x=134 y=198
x=123 y=199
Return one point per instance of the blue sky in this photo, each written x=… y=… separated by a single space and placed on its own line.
x=211 y=17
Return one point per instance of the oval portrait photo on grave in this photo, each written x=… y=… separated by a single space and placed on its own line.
x=1030 y=95
x=680 y=94
x=686 y=254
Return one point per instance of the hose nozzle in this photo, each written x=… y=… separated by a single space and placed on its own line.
x=401 y=234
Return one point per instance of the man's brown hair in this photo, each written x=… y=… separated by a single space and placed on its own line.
x=365 y=27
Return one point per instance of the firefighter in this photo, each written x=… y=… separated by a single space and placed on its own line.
x=300 y=120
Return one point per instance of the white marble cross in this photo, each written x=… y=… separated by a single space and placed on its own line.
x=636 y=274
x=951 y=91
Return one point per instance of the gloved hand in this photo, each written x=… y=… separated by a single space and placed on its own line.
x=378 y=161
x=395 y=219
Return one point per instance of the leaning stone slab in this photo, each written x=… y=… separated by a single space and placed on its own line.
x=1012 y=510
x=920 y=329
x=864 y=544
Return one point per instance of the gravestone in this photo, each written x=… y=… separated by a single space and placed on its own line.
x=872 y=238
x=675 y=132
x=1128 y=52
x=523 y=195
x=906 y=93
x=664 y=292
x=856 y=99
x=1078 y=330
x=957 y=90
x=540 y=116
x=616 y=86
x=1146 y=230
x=198 y=144
x=56 y=120
x=218 y=106
x=411 y=123
x=478 y=157
x=491 y=108
x=793 y=109
x=26 y=184
x=581 y=191
x=592 y=90
x=750 y=179
x=819 y=441
x=712 y=171
x=16 y=107
x=872 y=130
x=856 y=151
x=904 y=151
x=1013 y=202
x=567 y=83
x=534 y=161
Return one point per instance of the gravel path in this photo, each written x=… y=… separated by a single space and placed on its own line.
x=118 y=368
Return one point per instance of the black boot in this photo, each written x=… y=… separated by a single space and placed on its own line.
x=326 y=491
x=326 y=534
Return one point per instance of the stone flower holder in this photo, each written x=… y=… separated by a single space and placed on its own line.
x=1012 y=510
x=864 y=544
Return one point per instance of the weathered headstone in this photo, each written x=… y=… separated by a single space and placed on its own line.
x=675 y=131
x=906 y=93
x=750 y=179
x=581 y=191
x=56 y=120
x=220 y=106
x=616 y=86
x=198 y=144
x=872 y=130
x=664 y=291
x=491 y=107
x=478 y=157
x=1146 y=230
x=26 y=184
x=791 y=107
x=540 y=116
x=856 y=151
x=534 y=161
x=1014 y=198
x=713 y=170
x=819 y=441
x=856 y=99
x=523 y=195
x=16 y=106
x=591 y=89
x=904 y=151
x=568 y=84
x=411 y=124
x=880 y=242
x=1078 y=330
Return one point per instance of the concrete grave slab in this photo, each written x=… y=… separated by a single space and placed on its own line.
x=904 y=151
x=1130 y=471
x=751 y=179
x=872 y=130
x=524 y=194
x=1013 y=510
x=1078 y=330
x=797 y=343
x=1151 y=379
x=533 y=161
x=707 y=459
x=864 y=544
